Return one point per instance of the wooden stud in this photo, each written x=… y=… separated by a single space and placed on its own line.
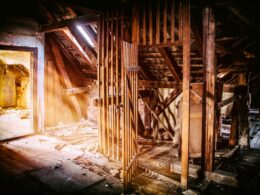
x=180 y=27
x=171 y=63
x=186 y=96
x=172 y=21
x=157 y=34
x=117 y=89
x=99 y=59
x=144 y=24
x=209 y=89
x=150 y=23
x=165 y=21
x=112 y=85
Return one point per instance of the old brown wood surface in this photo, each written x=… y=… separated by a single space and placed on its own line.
x=209 y=89
x=186 y=96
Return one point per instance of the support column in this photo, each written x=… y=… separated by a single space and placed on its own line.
x=186 y=96
x=209 y=85
x=243 y=140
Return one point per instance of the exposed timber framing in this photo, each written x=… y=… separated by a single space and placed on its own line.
x=164 y=84
x=209 y=88
x=66 y=23
x=65 y=76
x=171 y=63
x=185 y=134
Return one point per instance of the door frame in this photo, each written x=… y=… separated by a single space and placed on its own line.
x=33 y=79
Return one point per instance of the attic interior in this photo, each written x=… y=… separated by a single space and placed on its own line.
x=132 y=97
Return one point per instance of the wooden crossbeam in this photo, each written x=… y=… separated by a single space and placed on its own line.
x=164 y=84
x=166 y=103
x=75 y=90
x=157 y=118
x=196 y=97
x=171 y=63
x=225 y=102
x=66 y=23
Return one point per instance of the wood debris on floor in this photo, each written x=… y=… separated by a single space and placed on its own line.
x=14 y=122
x=57 y=166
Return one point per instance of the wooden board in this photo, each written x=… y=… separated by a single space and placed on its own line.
x=68 y=177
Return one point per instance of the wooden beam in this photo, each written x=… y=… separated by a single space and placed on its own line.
x=225 y=102
x=135 y=25
x=144 y=24
x=88 y=50
x=228 y=88
x=172 y=21
x=157 y=32
x=91 y=61
x=61 y=67
x=164 y=84
x=75 y=90
x=209 y=89
x=150 y=23
x=172 y=96
x=196 y=97
x=165 y=21
x=171 y=63
x=91 y=33
x=186 y=96
x=158 y=119
x=66 y=23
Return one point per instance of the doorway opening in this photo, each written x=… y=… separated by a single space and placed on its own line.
x=16 y=93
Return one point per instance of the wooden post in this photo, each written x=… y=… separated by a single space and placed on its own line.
x=209 y=88
x=144 y=24
x=186 y=96
x=243 y=140
x=172 y=22
x=234 y=121
x=157 y=34
x=165 y=21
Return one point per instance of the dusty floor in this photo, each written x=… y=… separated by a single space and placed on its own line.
x=65 y=160
x=14 y=122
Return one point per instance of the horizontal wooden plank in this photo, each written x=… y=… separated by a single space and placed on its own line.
x=75 y=90
x=164 y=84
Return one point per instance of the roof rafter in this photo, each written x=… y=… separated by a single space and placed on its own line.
x=171 y=63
